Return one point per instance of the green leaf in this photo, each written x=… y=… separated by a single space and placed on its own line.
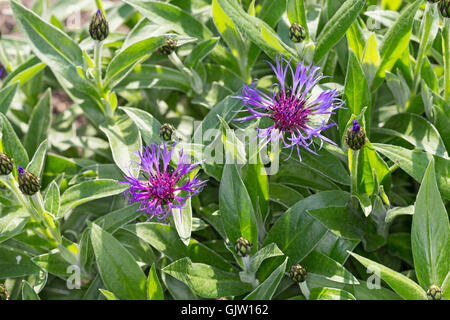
x=183 y=222
x=52 y=199
x=283 y=195
x=446 y=287
x=356 y=91
x=417 y=131
x=325 y=267
x=12 y=223
x=108 y=294
x=258 y=31
x=271 y=250
x=146 y=123
x=28 y=292
x=430 y=233
x=39 y=124
x=415 y=162
x=87 y=191
x=166 y=240
x=11 y=143
x=6 y=97
x=124 y=61
x=229 y=32
x=14 y=263
x=118 y=269
x=330 y=294
x=125 y=141
x=297 y=233
x=207 y=281
x=23 y=73
x=154 y=289
x=200 y=51
x=372 y=170
x=337 y=26
x=404 y=286
x=53 y=47
x=236 y=209
x=396 y=41
x=36 y=165
x=266 y=290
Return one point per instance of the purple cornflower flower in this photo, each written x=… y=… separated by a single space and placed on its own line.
x=162 y=188
x=292 y=108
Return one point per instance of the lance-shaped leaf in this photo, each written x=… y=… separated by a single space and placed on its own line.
x=430 y=233
x=119 y=271
x=11 y=143
x=401 y=284
x=337 y=26
x=236 y=209
x=87 y=191
x=6 y=97
x=39 y=124
x=266 y=290
x=207 y=281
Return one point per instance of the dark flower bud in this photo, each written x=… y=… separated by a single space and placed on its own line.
x=297 y=33
x=3 y=72
x=243 y=247
x=356 y=136
x=29 y=184
x=99 y=29
x=434 y=293
x=169 y=46
x=166 y=131
x=297 y=273
x=6 y=164
x=444 y=7
x=3 y=292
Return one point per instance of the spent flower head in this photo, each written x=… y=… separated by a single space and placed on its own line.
x=291 y=107
x=161 y=188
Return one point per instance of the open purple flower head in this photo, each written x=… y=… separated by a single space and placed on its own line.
x=292 y=107
x=162 y=188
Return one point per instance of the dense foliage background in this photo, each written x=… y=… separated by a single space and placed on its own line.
x=348 y=217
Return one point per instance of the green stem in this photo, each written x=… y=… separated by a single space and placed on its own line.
x=353 y=166
x=98 y=64
x=446 y=51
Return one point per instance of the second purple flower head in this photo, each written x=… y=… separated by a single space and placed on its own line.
x=292 y=107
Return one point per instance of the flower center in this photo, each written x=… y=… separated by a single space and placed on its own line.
x=289 y=111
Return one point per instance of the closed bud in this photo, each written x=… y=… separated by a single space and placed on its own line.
x=6 y=164
x=29 y=184
x=356 y=136
x=297 y=273
x=243 y=247
x=99 y=29
x=166 y=131
x=297 y=33
x=3 y=292
x=169 y=46
x=434 y=293
x=444 y=7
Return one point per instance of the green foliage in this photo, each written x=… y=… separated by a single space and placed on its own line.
x=367 y=223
